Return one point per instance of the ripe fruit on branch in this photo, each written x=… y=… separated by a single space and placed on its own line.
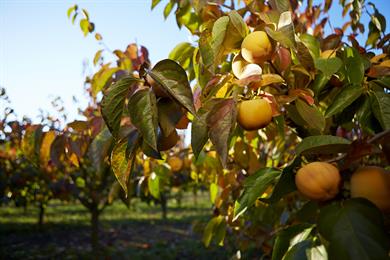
x=176 y=163
x=167 y=142
x=242 y=69
x=256 y=47
x=318 y=181
x=254 y=114
x=372 y=183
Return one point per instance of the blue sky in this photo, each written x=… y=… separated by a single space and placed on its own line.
x=42 y=53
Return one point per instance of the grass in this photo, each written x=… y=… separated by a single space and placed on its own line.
x=135 y=233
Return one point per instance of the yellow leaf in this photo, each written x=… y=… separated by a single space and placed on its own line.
x=267 y=79
x=44 y=153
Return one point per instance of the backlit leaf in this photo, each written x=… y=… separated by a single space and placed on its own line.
x=311 y=115
x=354 y=230
x=380 y=104
x=221 y=121
x=143 y=113
x=173 y=78
x=199 y=131
x=345 y=98
x=122 y=157
x=113 y=102
x=323 y=144
x=254 y=186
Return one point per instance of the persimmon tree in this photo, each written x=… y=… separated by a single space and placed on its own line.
x=283 y=110
x=27 y=173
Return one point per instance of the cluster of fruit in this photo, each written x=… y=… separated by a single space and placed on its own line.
x=321 y=181
x=256 y=48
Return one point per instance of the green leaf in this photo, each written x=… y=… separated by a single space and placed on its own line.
x=206 y=49
x=218 y=36
x=286 y=182
x=84 y=25
x=353 y=66
x=44 y=149
x=328 y=66
x=97 y=57
x=155 y=3
x=312 y=44
x=304 y=56
x=168 y=8
x=143 y=113
x=122 y=157
x=31 y=143
x=182 y=53
x=99 y=149
x=154 y=185
x=169 y=114
x=236 y=31
x=280 y=5
x=354 y=230
x=311 y=115
x=173 y=78
x=71 y=10
x=283 y=238
x=86 y=15
x=216 y=228
x=113 y=102
x=317 y=252
x=101 y=78
x=299 y=250
x=199 y=131
x=221 y=121
x=149 y=151
x=213 y=192
x=254 y=186
x=319 y=83
x=345 y=98
x=323 y=144
x=380 y=105
x=285 y=35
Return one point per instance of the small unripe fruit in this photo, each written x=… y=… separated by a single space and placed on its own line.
x=254 y=114
x=176 y=163
x=372 y=183
x=242 y=69
x=318 y=181
x=256 y=47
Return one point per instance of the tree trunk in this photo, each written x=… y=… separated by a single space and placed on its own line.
x=163 y=206
x=41 y=215
x=95 y=229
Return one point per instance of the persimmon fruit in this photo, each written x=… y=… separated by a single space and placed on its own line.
x=372 y=183
x=318 y=181
x=256 y=47
x=254 y=114
x=176 y=163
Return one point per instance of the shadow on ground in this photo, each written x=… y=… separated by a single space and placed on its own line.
x=137 y=233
